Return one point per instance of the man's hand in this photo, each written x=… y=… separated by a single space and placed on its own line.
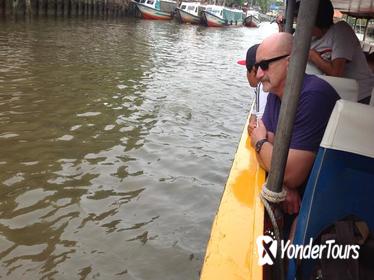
x=313 y=55
x=291 y=205
x=252 y=124
x=258 y=133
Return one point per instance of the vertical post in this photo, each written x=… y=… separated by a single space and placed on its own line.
x=14 y=8
x=296 y=70
x=2 y=8
x=291 y=4
x=28 y=10
x=36 y=7
x=366 y=29
x=104 y=8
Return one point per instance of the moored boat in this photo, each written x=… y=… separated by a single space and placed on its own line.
x=191 y=12
x=218 y=16
x=252 y=19
x=156 y=9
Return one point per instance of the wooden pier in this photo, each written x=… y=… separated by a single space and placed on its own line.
x=66 y=8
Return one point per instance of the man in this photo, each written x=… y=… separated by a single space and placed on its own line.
x=261 y=96
x=316 y=102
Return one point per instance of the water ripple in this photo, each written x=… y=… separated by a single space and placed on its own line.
x=116 y=140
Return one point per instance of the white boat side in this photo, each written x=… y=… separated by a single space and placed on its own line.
x=190 y=12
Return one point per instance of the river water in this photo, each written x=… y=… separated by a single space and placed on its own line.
x=116 y=140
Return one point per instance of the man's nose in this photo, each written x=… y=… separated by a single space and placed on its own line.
x=260 y=73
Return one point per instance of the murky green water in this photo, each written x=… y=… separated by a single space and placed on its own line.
x=116 y=139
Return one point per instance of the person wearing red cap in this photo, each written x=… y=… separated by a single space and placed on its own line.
x=261 y=96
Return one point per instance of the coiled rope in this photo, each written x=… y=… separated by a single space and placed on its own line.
x=267 y=196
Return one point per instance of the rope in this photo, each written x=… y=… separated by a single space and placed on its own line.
x=267 y=196
x=274 y=197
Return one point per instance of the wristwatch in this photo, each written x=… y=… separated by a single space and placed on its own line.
x=259 y=144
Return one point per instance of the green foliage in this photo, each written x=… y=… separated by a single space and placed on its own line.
x=264 y=4
x=238 y=3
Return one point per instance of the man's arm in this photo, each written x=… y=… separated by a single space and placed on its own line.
x=299 y=162
x=334 y=68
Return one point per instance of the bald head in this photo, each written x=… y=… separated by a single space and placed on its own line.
x=276 y=44
x=272 y=56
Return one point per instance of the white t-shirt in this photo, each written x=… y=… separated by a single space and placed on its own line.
x=262 y=98
x=340 y=41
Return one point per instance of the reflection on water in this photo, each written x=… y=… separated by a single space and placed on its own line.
x=116 y=139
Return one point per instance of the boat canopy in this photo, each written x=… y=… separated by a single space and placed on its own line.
x=214 y=9
x=190 y=6
x=355 y=8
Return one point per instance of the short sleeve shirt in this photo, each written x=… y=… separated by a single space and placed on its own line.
x=316 y=102
x=340 y=41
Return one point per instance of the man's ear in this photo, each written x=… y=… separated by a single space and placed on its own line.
x=254 y=71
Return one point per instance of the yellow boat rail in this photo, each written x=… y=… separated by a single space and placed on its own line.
x=232 y=250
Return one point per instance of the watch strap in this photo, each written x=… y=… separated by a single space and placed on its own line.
x=259 y=144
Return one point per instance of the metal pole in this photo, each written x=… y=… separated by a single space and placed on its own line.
x=291 y=4
x=366 y=29
x=296 y=70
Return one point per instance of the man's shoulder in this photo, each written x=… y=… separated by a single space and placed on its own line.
x=341 y=28
x=315 y=88
x=314 y=82
x=341 y=25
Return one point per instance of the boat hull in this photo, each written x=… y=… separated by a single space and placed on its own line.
x=153 y=14
x=212 y=20
x=232 y=251
x=188 y=17
x=251 y=21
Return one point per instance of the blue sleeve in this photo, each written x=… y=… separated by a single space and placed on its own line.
x=311 y=120
x=266 y=116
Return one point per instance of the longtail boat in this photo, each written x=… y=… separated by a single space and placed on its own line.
x=219 y=16
x=191 y=12
x=252 y=19
x=156 y=9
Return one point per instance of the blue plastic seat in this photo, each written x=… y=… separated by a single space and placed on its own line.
x=342 y=179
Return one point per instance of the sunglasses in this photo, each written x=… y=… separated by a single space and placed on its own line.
x=264 y=64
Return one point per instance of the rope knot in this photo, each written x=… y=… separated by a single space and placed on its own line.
x=274 y=197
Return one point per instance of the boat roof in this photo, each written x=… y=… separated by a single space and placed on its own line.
x=219 y=7
x=192 y=4
x=357 y=8
x=354 y=8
